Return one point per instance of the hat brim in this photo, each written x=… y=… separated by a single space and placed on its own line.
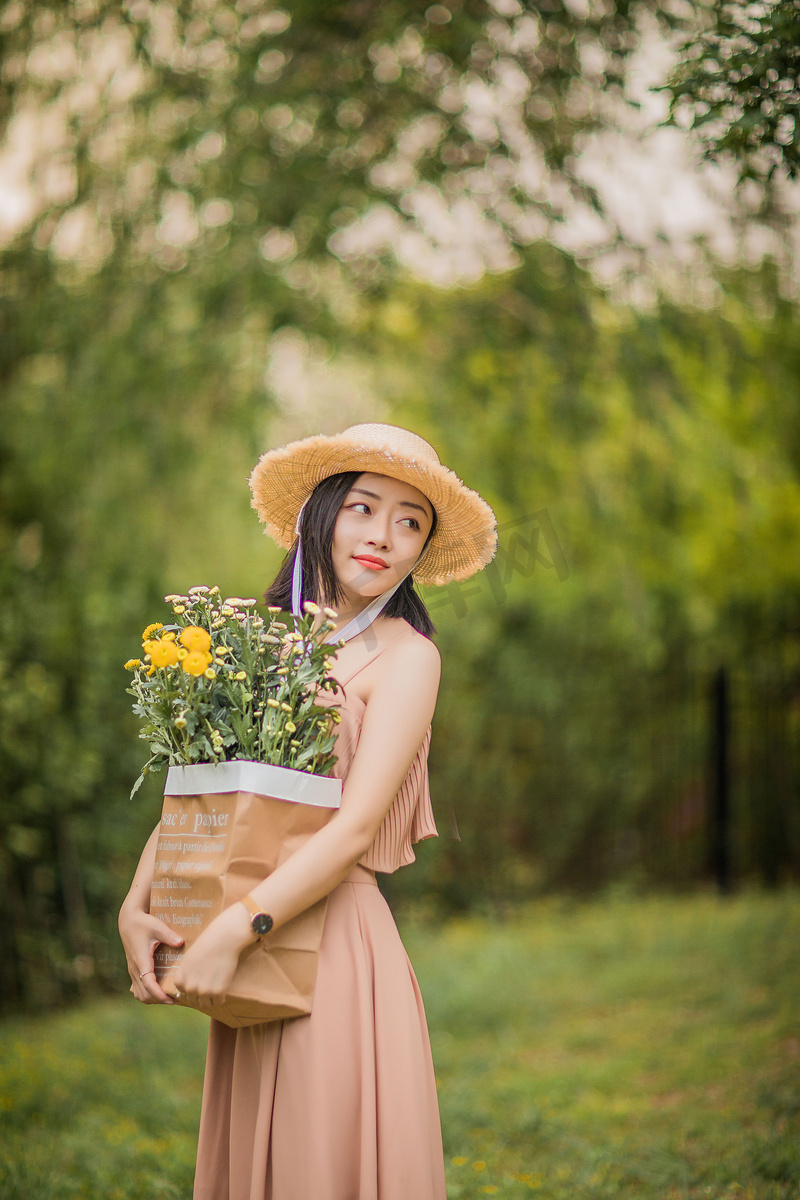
x=465 y=538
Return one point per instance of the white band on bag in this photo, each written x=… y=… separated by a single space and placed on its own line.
x=242 y=775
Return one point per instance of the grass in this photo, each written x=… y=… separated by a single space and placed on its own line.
x=632 y=1049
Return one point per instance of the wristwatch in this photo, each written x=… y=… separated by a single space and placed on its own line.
x=261 y=922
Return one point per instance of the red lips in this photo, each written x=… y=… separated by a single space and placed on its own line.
x=369 y=561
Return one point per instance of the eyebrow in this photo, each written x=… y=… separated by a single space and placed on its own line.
x=402 y=503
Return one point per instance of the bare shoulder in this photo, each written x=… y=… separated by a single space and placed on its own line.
x=413 y=658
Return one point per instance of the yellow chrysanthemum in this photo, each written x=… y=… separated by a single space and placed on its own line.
x=151 y=629
x=180 y=722
x=240 y=675
x=286 y=707
x=163 y=654
x=168 y=637
x=272 y=703
x=182 y=652
x=290 y=727
x=195 y=663
x=210 y=673
x=132 y=664
x=195 y=638
x=179 y=608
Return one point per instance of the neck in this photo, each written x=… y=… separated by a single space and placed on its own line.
x=352 y=610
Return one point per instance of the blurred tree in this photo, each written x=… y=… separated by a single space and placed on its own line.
x=662 y=449
x=193 y=128
x=189 y=163
x=200 y=173
x=738 y=84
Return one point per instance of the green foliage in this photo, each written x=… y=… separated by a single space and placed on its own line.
x=228 y=127
x=203 y=182
x=661 y=450
x=739 y=83
x=613 y=1049
x=245 y=688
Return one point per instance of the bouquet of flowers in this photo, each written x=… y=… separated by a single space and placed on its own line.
x=221 y=683
x=227 y=700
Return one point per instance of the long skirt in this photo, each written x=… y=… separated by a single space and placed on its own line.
x=340 y=1104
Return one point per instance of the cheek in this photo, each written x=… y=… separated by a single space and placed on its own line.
x=342 y=535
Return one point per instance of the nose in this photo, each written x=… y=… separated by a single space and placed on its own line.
x=379 y=535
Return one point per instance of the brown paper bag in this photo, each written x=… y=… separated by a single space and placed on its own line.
x=224 y=828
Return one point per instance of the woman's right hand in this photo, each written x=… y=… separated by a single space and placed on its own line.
x=141 y=933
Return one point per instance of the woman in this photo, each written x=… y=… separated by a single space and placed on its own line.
x=340 y=1104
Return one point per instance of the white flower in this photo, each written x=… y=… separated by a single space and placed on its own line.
x=226 y=610
x=200 y=589
x=330 y=612
x=311 y=607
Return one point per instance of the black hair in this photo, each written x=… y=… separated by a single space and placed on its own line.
x=316 y=529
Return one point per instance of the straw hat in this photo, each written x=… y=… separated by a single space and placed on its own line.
x=465 y=538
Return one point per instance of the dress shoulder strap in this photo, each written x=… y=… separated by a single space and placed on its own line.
x=372 y=657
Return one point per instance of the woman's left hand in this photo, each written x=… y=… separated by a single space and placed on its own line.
x=207 y=968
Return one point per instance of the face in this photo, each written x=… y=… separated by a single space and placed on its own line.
x=379 y=534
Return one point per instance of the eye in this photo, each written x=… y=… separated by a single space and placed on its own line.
x=359 y=504
x=414 y=522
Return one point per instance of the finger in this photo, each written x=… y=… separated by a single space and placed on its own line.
x=141 y=994
x=164 y=933
x=153 y=989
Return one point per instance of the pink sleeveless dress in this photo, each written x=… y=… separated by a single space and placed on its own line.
x=341 y=1104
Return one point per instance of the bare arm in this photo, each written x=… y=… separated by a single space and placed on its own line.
x=397 y=716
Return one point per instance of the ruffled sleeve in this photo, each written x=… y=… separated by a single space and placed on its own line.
x=409 y=819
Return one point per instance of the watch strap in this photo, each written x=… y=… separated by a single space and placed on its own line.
x=260 y=921
x=251 y=905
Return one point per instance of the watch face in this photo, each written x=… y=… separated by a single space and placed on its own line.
x=262 y=923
